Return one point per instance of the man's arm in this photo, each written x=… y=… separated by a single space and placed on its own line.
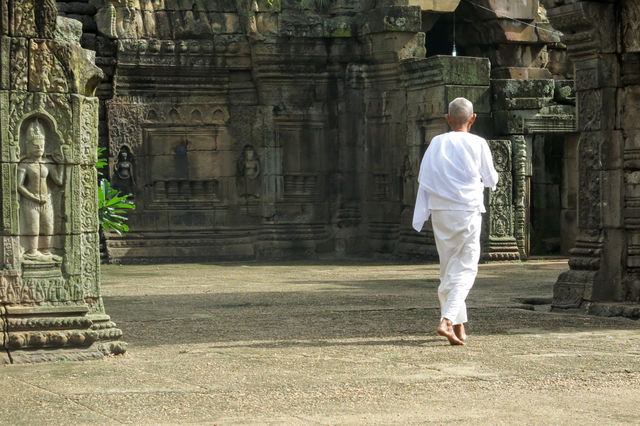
x=421 y=212
x=487 y=170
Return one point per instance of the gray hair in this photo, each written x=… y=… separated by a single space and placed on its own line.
x=460 y=111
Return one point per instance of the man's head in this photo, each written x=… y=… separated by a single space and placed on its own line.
x=461 y=115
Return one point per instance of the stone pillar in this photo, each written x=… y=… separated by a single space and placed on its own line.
x=50 y=302
x=521 y=110
x=498 y=239
x=604 y=275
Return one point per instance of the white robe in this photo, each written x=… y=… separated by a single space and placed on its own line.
x=457 y=235
x=454 y=172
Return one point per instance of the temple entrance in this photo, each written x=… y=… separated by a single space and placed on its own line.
x=553 y=187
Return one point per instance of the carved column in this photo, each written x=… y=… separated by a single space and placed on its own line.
x=499 y=242
x=50 y=301
x=604 y=271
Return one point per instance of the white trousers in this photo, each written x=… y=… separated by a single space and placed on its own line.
x=457 y=235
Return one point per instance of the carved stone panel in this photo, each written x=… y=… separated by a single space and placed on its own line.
x=630 y=15
x=19 y=65
x=499 y=241
x=22 y=19
x=186 y=165
x=589 y=197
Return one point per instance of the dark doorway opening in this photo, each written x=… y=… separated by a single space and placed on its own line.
x=439 y=39
x=552 y=211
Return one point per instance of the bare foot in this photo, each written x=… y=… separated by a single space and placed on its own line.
x=445 y=329
x=458 y=330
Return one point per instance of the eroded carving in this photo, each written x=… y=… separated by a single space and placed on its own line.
x=123 y=177
x=248 y=173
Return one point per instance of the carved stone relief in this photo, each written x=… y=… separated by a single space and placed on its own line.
x=630 y=15
x=48 y=138
x=249 y=185
x=500 y=243
x=36 y=176
x=123 y=172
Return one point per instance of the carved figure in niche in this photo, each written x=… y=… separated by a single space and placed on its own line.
x=248 y=173
x=34 y=173
x=123 y=179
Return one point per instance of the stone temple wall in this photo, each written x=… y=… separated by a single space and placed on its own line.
x=603 y=41
x=50 y=301
x=249 y=130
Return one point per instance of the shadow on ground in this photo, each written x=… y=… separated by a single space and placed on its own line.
x=318 y=312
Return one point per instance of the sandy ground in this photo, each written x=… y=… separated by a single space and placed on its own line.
x=336 y=343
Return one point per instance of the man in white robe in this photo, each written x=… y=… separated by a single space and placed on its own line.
x=454 y=172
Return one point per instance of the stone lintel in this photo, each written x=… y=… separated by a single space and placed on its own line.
x=588 y=27
x=434 y=102
x=506 y=30
x=391 y=19
x=511 y=88
x=521 y=73
x=446 y=70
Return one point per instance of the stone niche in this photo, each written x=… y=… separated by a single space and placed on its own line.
x=50 y=302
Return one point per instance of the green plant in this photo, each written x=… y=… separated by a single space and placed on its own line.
x=112 y=208
x=112 y=205
x=102 y=161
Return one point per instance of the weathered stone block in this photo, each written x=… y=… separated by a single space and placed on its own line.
x=514 y=9
x=632 y=149
x=391 y=19
x=338 y=27
x=596 y=109
x=520 y=73
x=267 y=23
x=603 y=71
x=68 y=30
x=22 y=20
x=446 y=70
x=613 y=202
x=629 y=107
x=511 y=122
x=509 y=89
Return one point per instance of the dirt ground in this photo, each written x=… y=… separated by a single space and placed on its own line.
x=336 y=343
